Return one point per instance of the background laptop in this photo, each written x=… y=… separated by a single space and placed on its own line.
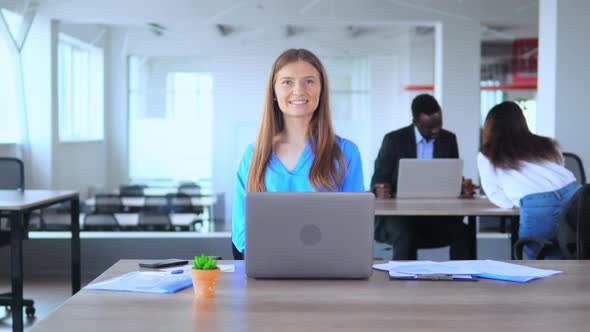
x=309 y=235
x=429 y=178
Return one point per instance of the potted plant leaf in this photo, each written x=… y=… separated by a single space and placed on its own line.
x=205 y=274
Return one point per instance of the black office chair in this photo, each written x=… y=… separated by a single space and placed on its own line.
x=57 y=218
x=12 y=177
x=179 y=203
x=574 y=164
x=108 y=203
x=189 y=188
x=155 y=204
x=573 y=231
x=154 y=221
x=136 y=190
x=101 y=222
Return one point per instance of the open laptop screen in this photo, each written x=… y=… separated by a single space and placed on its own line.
x=429 y=178
x=309 y=235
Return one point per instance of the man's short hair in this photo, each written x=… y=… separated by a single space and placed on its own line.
x=425 y=104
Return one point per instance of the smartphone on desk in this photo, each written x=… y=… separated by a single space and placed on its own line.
x=164 y=263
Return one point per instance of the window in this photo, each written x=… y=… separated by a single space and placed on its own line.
x=170 y=119
x=489 y=98
x=9 y=90
x=80 y=91
x=529 y=109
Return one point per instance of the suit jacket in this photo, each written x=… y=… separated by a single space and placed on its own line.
x=402 y=144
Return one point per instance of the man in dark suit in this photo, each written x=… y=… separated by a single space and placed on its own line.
x=423 y=139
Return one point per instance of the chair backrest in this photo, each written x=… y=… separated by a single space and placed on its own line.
x=100 y=222
x=179 y=203
x=156 y=204
x=573 y=231
x=131 y=190
x=574 y=164
x=189 y=188
x=152 y=221
x=108 y=203
x=12 y=175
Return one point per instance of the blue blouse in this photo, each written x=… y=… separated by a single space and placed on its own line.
x=279 y=179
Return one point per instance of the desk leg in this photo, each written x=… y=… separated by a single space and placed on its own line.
x=514 y=226
x=75 y=244
x=472 y=234
x=16 y=270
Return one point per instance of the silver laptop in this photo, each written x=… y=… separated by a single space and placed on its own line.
x=429 y=178
x=309 y=235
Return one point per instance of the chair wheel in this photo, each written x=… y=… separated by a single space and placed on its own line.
x=30 y=311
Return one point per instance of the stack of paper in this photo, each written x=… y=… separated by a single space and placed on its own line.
x=464 y=270
x=146 y=282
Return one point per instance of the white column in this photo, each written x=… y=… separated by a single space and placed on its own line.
x=563 y=85
x=457 y=57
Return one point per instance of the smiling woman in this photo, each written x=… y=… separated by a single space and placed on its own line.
x=296 y=149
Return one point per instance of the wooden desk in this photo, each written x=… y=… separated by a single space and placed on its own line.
x=470 y=207
x=559 y=303
x=16 y=206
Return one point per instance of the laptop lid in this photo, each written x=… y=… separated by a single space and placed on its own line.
x=429 y=178
x=309 y=235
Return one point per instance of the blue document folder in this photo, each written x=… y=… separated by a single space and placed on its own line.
x=146 y=282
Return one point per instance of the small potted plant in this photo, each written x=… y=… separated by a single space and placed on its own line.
x=205 y=274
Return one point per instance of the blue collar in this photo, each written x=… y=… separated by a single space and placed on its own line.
x=419 y=137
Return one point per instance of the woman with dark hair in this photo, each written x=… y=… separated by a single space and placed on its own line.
x=296 y=148
x=521 y=169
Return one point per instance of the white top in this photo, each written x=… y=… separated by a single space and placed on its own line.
x=505 y=187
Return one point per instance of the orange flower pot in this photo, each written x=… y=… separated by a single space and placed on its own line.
x=205 y=282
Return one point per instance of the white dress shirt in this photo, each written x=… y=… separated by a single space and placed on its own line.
x=505 y=187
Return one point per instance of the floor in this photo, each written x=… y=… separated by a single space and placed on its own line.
x=47 y=292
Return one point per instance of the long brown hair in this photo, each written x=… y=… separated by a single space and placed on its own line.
x=508 y=140
x=323 y=175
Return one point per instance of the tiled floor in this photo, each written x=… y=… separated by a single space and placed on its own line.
x=48 y=293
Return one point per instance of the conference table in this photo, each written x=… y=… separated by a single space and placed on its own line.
x=207 y=201
x=470 y=207
x=16 y=206
x=558 y=303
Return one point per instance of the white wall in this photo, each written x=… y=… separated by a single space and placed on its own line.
x=456 y=83
x=563 y=74
x=116 y=118
x=36 y=63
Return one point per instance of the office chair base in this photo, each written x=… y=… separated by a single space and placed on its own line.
x=6 y=301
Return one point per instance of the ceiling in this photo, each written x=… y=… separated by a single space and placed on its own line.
x=247 y=19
